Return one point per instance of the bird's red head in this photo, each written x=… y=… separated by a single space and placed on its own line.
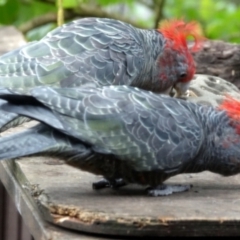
x=177 y=32
x=232 y=108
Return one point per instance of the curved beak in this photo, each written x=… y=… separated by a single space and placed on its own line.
x=182 y=89
x=167 y=91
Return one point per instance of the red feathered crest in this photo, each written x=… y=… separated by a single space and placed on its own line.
x=232 y=107
x=178 y=31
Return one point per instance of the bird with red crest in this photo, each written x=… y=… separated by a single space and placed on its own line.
x=127 y=135
x=176 y=32
x=100 y=52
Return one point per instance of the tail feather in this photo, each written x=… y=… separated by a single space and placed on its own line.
x=17 y=108
x=5 y=117
x=39 y=113
x=43 y=140
x=9 y=119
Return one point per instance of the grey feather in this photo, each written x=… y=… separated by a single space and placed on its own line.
x=92 y=52
x=42 y=140
x=129 y=133
x=115 y=125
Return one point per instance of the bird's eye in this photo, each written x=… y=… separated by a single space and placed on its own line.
x=183 y=75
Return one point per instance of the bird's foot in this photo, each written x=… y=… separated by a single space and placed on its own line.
x=104 y=183
x=164 y=190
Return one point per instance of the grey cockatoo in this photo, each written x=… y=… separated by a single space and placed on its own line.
x=100 y=52
x=127 y=135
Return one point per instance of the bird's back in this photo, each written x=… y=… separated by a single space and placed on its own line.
x=86 y=52
x=149 y=131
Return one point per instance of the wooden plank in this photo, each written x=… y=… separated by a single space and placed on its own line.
x=19 y=192
x=11 y=220
x=211 y=207
x=24 y=232
x=2 y=197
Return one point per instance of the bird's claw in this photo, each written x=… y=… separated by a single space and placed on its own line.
x=164 y=190
x=104 y=183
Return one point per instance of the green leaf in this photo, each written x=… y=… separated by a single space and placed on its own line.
x=112 y=2
x=2 y=2
x=31 y=9
x=9 y=11
x=40 y=32
x=71 y=3
x=220 y=19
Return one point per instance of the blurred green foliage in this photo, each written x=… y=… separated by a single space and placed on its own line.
x=220 y=19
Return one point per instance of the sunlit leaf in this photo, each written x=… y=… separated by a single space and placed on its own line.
x=2 y=2
x=111 y=2
x=71 y=3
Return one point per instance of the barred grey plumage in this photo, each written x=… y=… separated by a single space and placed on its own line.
x=124 y=132
x=97 y=52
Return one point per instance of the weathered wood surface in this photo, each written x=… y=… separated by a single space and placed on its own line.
x=46 y=189
x=12 y=226
x=220 y=59
x=64 y=197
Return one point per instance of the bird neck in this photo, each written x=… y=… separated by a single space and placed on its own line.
x=211 y=122
x=220 y=151
x=152 y=43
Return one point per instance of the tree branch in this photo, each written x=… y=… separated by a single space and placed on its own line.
x=159 y=5
x=42 y=20
x=60 y=14
x=81 y=11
